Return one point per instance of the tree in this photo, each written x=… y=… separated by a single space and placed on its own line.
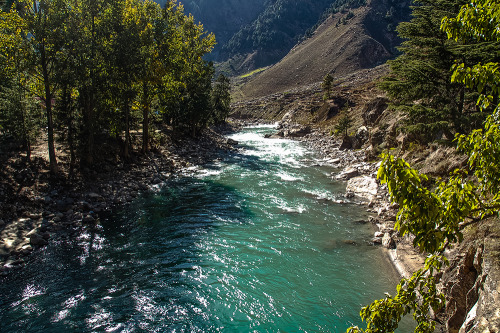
x=221 y=99
x=437 y=217
x=151 y=67
x=98 y=67
x=327 y=86
x=344 y=123
x=420 y=81
x=186 y=84
x=42 y=22
x=19 y=114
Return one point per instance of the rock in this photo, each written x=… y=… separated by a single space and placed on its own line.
x=377 y=137
x=88 y=219
x=37 y=240
x=378 y=234
x=231 y=142
x=360 y=138
x=388 y=242
x=94 y=196
x=363 y=186
x=374 y=109
x=299 y=132
x=347 y=173
x=32 y=232
x=346 y=143
x=377 y=240
x=156 y=181
x=26 y=249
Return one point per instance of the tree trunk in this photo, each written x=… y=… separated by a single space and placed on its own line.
x=48 y=108
x=145 y=118
x=126 y=151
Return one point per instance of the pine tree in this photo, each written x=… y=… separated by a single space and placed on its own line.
x=420 y=79
x=327 y=86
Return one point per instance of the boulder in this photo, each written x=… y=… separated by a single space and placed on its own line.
x=299 y=132
x=363 y=186
x=88 y=219
x=346 y=143
x=347 y=173
x=231 y=142
x=388 y=242
x=374 y=109
x=37 y=240
x=377 y=137
x=360 y=138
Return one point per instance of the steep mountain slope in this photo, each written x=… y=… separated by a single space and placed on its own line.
x=273 y=33
x=346 y=42
x=223 y=17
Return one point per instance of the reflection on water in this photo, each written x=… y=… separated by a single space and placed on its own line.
x=257 y=242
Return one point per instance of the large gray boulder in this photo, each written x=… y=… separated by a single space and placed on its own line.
x=363 y=186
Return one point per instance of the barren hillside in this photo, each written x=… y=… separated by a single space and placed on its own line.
x=343 y=44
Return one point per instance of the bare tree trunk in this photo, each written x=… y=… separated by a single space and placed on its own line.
x=126 y=150
x=145 y=118
x=48 y=108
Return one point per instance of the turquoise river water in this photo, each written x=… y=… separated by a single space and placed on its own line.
x=259 y=241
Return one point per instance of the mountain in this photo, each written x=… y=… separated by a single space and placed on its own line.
x=347 y=41
x=223 y=17
x=275 y=31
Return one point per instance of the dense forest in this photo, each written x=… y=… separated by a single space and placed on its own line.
x=90 y=70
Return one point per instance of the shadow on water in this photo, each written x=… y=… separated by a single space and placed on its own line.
x=138 y=270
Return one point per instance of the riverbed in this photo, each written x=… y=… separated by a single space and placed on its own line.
x=261 y=240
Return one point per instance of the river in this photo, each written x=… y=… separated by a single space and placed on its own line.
x=259 y=241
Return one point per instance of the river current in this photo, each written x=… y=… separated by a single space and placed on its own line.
x=260 y=241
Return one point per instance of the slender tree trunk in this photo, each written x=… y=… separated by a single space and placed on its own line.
x=25 y=128
x=48 y=108
x=126 y=150
x=145 y=118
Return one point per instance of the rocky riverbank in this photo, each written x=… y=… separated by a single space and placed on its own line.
x=37 y=209
x=470 y=283
x=360 y=175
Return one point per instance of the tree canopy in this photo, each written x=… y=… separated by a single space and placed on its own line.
x=420 y=81
x=101 y=68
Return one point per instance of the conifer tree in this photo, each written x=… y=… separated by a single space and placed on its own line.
x=420 y=81
x=221 y=99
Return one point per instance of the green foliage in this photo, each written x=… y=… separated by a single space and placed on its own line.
x=344 y=123
x=327 y=86
x=98 y=67
x=420 y=82
x=221 y=99
x=436 y=217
